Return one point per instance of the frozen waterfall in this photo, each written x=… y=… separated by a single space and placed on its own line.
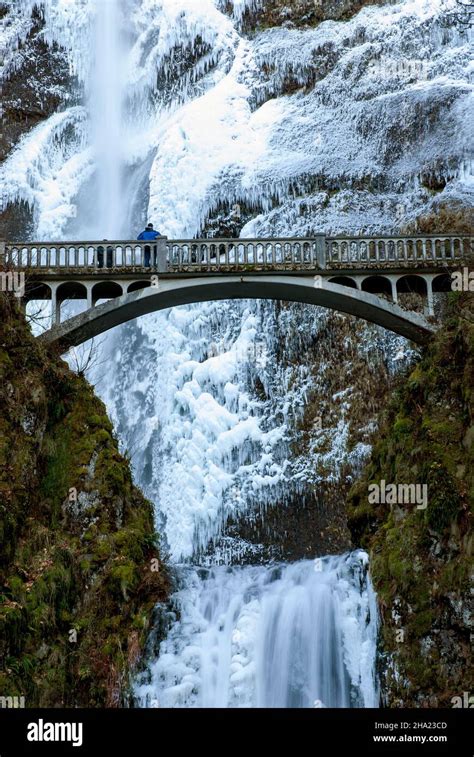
x=105 y=107
x=299 y=635
x=313 y=130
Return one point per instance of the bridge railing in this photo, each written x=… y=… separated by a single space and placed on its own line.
x=181 y=255
x=75 y=255
x=208 y=255
x=348 y=251
x=252 y=254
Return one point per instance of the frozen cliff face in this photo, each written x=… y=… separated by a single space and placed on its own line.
x=34 y=83
x=231 y=409
x=248 y=413
x=345 y=126
x=379 y=105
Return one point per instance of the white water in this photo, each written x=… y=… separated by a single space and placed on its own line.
x=180 y=385
x=106 y=110
x=300 y=635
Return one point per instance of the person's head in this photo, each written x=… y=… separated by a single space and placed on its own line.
x=149 y=227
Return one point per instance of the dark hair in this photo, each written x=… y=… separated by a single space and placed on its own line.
x=150 y=226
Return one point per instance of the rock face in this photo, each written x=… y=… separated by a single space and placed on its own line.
x=35 y=88
x=301 y=13
x=421 y=558
x=79 y=568
x=36 y=84
x=330 y=427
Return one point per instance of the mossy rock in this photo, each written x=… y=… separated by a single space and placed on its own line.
x=421 y=559
x=63 y=565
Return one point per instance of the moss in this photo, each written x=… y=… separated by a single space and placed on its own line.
x=54 y=483
x=100 y=421
x=457 y=572
x=102 y=436
x=420 y=560
x=123 y=578
x=402 y=426
x=300 y=13
x=79 y=565
x=451 y=218
x=444 y=499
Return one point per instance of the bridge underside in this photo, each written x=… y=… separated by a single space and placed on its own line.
x=172 y=292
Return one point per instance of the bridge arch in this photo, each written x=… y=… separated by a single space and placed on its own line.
x=412 y=284
x=71 y=290
x=377 y=285
x=346 y=281
x=174 y=292
x=106 y=290
x=38 y=290
x=413 y=291
x=442 y=283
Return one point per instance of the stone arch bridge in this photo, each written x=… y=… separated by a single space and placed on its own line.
x=368 y=277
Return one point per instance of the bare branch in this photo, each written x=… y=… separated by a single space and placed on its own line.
x=85 y=358
x=461 y=15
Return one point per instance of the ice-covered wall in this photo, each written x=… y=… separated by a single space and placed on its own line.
x=370 y=113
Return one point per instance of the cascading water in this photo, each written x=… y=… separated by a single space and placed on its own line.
x=300 y=635
x=106 y=111
x=222 y=126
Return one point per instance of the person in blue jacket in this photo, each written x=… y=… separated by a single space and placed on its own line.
x=149 y=233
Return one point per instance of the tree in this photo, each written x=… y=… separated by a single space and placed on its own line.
x=86 y=357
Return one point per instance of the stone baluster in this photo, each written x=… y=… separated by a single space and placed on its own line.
x=452 y=248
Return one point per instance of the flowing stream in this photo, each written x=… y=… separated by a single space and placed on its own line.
x=105 y=106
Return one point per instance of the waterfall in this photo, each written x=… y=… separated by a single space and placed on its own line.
x=181 y=116
x=105 y=107
x=300 y=635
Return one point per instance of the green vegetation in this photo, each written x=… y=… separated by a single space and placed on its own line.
x=77 y=538
x=421 y=559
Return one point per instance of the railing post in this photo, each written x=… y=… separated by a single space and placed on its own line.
x=321 y=250
x=161 y=254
